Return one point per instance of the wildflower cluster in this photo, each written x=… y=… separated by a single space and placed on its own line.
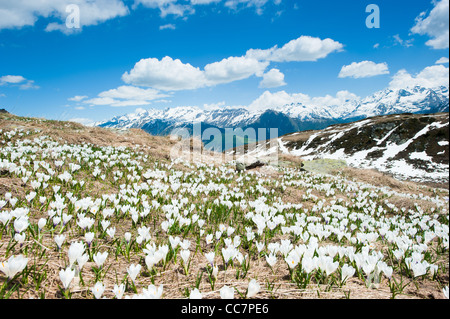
x=115 y=222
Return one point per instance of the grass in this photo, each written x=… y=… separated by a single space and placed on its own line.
x=170 y=206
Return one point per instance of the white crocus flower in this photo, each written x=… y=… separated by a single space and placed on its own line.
x=66 y=276
x=210 y=257
x=133 y=270
x=195 y=294
x=226 y=292
x=76 y=249
x=98 y=290
x=21 y=223
x=13 y=265
x=347 y=272
x=100 y=258
x=59 y=240
x=253 y=288
x=271 y=259
x=119 y=290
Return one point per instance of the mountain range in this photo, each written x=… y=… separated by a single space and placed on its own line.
x=286 y=118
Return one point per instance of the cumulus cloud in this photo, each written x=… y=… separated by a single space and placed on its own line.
x=435 y=25
x=273 y=78
x=126 y=96
x=166 y=7
x=269 y=100
x=237 y=4
x=233 y=69
x=18 y=80
x=20 y=13
x=430 y=77
x=168 y=74
x=304 y=48
x=11 y=79
x=363 y=69
x=213 y=106
x=77 y=98
x=442 y=60
x=204 y=2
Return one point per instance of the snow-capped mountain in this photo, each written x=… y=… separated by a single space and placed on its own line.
x=226 y=117
x=288 y=118
x=417 y=100
x=407 y=146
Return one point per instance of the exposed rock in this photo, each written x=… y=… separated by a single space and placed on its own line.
x=248 y=162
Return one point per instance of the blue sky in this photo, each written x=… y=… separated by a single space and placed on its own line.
x=211 y=53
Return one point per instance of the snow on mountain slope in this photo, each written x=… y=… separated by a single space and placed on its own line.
x=226 y=117
x=408 y=146
x=394 y=101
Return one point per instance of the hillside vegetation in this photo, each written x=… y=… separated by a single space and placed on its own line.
x=106 y=213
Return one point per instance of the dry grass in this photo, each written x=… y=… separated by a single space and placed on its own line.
x=173 y=278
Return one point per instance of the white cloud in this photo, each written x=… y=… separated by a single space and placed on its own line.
x=430 y=77
x=237 y=4
x=269 y=100
x=126 y=96
x=20 y=13
x=18 y=80
x=442 y=60
x=166 y=74
x=271 y=79
x=305 y=48
x=204 y=2
x=363 y=69
x=11 y=79
x=29 y=85
x=435 y=25
x=107 y=101
x=400 y=41
x=170 y=74
x=167 y=26
x=213 y=106
x=133 y=93
x=233 y=69
x=77 y=98
x=166 y=7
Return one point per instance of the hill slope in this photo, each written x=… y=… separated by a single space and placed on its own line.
x=407 y=146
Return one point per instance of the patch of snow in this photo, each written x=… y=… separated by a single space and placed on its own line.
x=421 y=155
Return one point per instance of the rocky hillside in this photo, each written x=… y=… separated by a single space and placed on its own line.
x=407 y=146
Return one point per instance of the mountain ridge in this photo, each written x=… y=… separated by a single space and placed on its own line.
x=288 y=118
